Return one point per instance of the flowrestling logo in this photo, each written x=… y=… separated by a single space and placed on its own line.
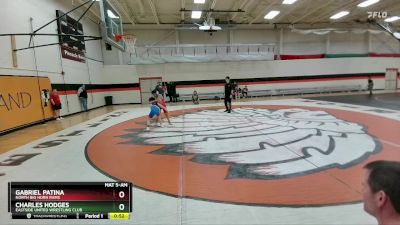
x=379 y=15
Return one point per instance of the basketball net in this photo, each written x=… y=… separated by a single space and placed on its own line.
x=129 y=41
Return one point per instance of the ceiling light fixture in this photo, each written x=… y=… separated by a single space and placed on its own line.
x=199 y=1
x=196 y=14
x=339 y=15
x=367 y=3
x=288 y=2
x=392 y=19
x=271 y=15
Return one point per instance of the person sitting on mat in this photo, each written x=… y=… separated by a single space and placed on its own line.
x=244 y=91
x=195 y=98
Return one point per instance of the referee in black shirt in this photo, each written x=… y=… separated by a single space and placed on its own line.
x=228 y=95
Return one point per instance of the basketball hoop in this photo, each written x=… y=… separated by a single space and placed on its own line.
x=128 y=39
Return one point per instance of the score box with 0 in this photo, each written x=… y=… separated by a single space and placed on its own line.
x=70 y=197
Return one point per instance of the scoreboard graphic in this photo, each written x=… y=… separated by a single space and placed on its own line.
x=72 y=47
x=70 y=200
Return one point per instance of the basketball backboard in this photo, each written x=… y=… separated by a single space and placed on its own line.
x=111 y=24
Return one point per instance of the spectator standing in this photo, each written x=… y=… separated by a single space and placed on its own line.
x=370 y=85
x=228 y=95
x=83 y=96
x=56 y=104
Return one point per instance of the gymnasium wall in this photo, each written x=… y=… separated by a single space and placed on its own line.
x=123 y=74
x=262 y=75
x=48 y=61
x=293 y=43
x=208 y=77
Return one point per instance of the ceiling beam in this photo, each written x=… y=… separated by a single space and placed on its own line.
x=288 y=11
x=132 y=9
x=248 y=8
x=154 y=11
x=343 y=7
x=141 y=7
x=242 y=6
x=264 y=11
x=183 y=3
x=122 y=9
x=212 y=5
x=212 y=10
x=91 y=9
x=311 y=12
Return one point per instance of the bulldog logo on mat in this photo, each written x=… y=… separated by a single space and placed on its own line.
x=265 y=144
x=270 y=155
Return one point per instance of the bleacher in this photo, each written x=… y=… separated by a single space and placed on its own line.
x=203 y=96
x=320 y=90
x=279 y=92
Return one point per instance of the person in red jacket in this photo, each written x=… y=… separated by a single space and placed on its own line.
x=56 y=103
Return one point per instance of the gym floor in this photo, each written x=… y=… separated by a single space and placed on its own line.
x=271 y=161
